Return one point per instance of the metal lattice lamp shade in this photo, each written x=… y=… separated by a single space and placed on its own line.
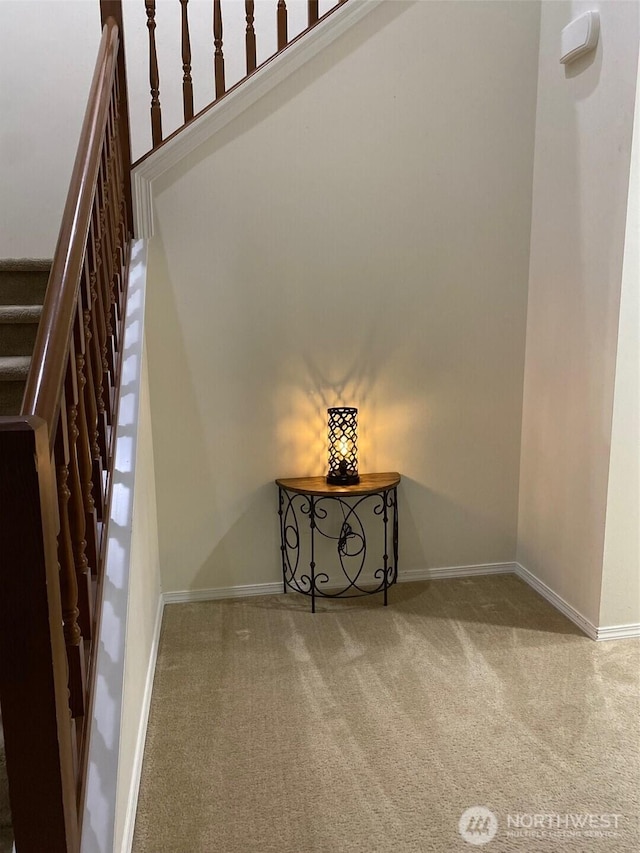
x=343 y=446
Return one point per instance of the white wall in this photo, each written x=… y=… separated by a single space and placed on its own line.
x=360 y=235
x=48 y=50
x=620 y=602
x=582 y=153
x=43 y=94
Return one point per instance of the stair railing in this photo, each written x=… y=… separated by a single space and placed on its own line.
x=219 y=78
x=56 y=464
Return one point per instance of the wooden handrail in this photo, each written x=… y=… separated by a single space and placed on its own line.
x=45 y=382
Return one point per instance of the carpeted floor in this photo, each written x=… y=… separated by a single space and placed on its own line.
x=370 y=730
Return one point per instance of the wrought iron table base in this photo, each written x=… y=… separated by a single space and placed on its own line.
x=298 y=507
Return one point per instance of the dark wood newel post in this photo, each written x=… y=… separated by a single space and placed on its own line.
x=33 y=666
x=113 y=9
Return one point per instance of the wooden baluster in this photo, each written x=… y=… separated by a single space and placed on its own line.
x=86 y=428
x=122 y=221
x=312 y=8
x=115 y=217
x=94 y=498
x=187 y=85
x=113 y=9
x=250 y=38
x=218 y=56
x=104 y=302
x=282 y=24
x=120 y=211
x=68 y=581
x=107 y=225
x=77 y=522
x=100 y=366
x=112 y=243
x=154 y=77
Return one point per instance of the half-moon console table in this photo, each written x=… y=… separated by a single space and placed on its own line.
x=340 y=514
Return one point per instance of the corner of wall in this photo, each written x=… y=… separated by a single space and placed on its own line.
x=620 y=592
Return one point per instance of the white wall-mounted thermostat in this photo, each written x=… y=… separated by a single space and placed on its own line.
x=579 y=37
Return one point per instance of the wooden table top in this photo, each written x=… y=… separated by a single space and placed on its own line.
x=368 y=484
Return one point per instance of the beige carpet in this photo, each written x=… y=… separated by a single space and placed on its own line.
x=371 y=730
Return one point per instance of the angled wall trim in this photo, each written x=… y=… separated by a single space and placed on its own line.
x=604 y=632
x=557 y=601
x=236 y=102
x=134 y=788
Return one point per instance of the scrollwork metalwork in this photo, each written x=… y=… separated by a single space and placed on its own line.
x=353 y=574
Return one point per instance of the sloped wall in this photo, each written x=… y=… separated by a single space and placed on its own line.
x=359 y=236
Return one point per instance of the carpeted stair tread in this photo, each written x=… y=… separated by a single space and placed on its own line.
x=23 y=282
x=14 y=368
x=25 y=265
x=18 y=328
x=11 y=394
x=14 y=314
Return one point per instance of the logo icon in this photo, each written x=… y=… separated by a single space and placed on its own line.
x=478 y=825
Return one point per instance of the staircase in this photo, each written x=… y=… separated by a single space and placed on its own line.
x=60 y=374
x=22 y=288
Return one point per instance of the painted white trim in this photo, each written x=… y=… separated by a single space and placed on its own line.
x=619 y=632
x=455 y=572
x=186 y=595
x=98 y=824
x=274 y=588
x=136 y=771
x=236 y=102
x=142 y=205
x=613 y=632
x=557 y=601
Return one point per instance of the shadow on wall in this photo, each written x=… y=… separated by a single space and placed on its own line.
x=100 y=801
x=285 y=281
x=248 y=551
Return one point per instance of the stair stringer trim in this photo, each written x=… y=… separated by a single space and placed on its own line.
x=236 y=102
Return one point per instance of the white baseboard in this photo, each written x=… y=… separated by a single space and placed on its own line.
x=606 y=632
x=136 y=772
x=613 y=632
x=186 y=595
x=455 y=572
x=274 y=588
x=619 y=632
x=557 y=601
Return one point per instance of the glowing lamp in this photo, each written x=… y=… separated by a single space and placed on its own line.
x=343 y=446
